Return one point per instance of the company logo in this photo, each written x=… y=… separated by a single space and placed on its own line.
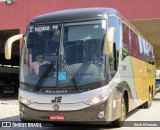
x=62 y=76
x=57 y=100
x=56 y=91
x=56 y=107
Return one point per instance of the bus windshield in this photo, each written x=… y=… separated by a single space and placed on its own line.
x=54 y=55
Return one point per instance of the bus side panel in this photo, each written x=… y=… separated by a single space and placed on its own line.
x=138 y=73
x=144 y=78
x=123 y=80
x=126 y=74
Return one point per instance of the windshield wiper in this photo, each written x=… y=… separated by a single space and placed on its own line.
x=69 y=73
x=46 y=73
x=48 y=70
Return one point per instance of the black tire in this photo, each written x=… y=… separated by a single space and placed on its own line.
x=149 y=102
x=23 y=120
x=120 y=121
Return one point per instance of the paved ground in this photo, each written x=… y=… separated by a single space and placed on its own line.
x=9 y=112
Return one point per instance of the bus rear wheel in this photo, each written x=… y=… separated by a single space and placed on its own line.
x=149 y=102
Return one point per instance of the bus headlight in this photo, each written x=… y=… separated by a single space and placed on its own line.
x=97 y=100
x=24 y=101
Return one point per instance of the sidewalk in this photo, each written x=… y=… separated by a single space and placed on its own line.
x=9 y=100
x=157 y=95
x=9 y=109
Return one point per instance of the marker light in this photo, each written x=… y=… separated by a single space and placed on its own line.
x=96 y=100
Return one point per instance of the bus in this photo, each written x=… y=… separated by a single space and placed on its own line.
x=98 y=67
x=9 y=84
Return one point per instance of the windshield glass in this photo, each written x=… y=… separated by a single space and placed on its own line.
x=82 y=50
x=39 y=51
x=78 y=56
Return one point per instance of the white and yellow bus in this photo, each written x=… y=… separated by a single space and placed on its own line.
x=99 y=67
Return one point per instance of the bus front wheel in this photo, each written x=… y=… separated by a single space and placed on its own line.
x=120 y=122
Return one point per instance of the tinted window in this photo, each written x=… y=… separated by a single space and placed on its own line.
x=126 y=37
x=134 y=46
x=130 y=42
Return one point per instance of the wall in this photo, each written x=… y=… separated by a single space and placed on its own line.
x=21 y=12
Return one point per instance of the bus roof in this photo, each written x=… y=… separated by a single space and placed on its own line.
x=74 y=15
x=82 y=14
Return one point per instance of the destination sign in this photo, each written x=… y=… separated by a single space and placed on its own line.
x=42 y=28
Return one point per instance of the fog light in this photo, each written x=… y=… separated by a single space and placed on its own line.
x=101 y=114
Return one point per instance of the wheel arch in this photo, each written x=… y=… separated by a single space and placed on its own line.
x=125 y=90
x=126 y=98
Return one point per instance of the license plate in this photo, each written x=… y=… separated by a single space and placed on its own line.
x=56 y=116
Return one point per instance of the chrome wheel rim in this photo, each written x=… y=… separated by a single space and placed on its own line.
x=123 y=116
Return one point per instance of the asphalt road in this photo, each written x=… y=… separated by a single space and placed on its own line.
x=138 y=117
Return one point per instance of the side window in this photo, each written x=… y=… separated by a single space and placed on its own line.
x=134 y=46
x=146 y=51
x=140 y=41
x=126 y=40
x=126 y=36
x=114 y=58
x=130 y=43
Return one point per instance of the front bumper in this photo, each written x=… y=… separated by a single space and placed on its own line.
x=88 y=115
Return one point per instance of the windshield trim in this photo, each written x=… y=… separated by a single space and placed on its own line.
x=68 y=90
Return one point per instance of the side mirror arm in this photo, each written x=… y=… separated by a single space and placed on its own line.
x=8 y=45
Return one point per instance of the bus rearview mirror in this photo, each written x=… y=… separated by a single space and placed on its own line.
x=8 y=45
x=109 y=40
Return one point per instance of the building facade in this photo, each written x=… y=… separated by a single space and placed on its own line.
x=144 y=14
